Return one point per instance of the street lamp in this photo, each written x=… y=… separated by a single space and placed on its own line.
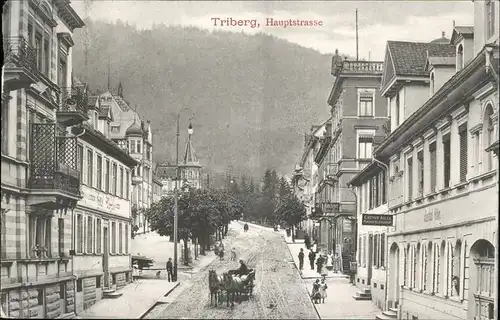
x=176 y=190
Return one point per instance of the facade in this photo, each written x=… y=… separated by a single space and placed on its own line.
x=371 y=253
x=189 y=170
x=157 y=188
x=102 y=218
x=443 y=101
x=359 y=119
x=133 y=134
x=40 y=184
x=305 y=178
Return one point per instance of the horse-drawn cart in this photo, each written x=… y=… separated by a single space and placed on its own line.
x=233 y=284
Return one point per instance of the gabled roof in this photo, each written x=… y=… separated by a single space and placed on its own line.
x=464 y=31
x=409 y=58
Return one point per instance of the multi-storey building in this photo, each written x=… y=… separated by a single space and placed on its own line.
x=371 y=251
x=359 y=117
x=305 y=177
x=101 y=220
x=442 y=190
x=129 y=131
x=189 y=170
x=40 y=175
x=157 y=186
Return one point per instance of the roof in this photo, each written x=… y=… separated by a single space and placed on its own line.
x=409 y=58
x=134 y=129
x=92 y=101
x=365 y=175
x=189 y=154
x=166 y=171
x=466 y=32
x=442 y=40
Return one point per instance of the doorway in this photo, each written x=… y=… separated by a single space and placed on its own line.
x=393 y=285
x=105 y=257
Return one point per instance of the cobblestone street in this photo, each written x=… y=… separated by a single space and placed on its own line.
x=277 y=283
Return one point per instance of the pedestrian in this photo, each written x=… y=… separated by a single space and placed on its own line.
x=324 y=269
x=169 y=270
x=322 y=289
x=221 y=253
x=135 y=272
x=307 y=242
x=301 y=259
x=315 y=294
x=319 y=264
x=329 y=261
x=233 y=255
x=312 y=257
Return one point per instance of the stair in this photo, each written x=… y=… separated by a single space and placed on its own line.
x=110 y=294
x=392 y=313
x=365 y=294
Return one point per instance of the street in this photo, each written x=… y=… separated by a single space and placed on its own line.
x=279 y=290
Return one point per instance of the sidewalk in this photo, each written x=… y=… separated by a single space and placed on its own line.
x=137 y=299
x=339 y=303
x=307 y=273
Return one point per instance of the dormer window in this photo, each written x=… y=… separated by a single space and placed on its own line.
x=490 y=18
x=460 y=57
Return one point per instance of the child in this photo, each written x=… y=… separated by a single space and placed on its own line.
x=233 y=255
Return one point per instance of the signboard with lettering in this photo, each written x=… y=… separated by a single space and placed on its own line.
x=101 y=201
x=331 y=207
x=346 y=225
x=377 y=220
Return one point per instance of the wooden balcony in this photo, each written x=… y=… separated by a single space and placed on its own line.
x=356 y=67
x=20 y=64
x=73 y=106
x=54 y=177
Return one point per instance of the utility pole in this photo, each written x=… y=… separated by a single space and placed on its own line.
x=357 y=52
x=208 y=181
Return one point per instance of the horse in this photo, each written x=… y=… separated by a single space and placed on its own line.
x=215 y=285
x=235 y=285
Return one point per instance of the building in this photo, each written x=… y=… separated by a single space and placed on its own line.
x=189 y=170
x=157 y=185
x=371 y=251
x=305 y=177
x=359 y=118
x=129 y=131
x=102 y=227
x=40 y=184
x=442 y=174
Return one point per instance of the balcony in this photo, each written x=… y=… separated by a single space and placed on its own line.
x=54 y=178
x=356 y=67
x=20 y=64
x=73 y=106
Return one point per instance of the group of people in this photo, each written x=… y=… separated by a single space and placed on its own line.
x=319 y=291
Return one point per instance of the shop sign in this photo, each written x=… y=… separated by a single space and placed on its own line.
x=377 y=220
x=346 y=225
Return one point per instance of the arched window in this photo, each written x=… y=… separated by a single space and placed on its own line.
x=405 y=266
x=460 y=57
x=441 y=282
x=428 y=272
x=416 y=267
x=488 y=131
x=456 y=269
x=481 y=280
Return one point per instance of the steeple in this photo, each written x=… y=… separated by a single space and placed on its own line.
x=189 y=154
x=120 y=89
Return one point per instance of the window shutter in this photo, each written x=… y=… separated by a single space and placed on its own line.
x=432 y=150
x=463 y=155
x=410 y=178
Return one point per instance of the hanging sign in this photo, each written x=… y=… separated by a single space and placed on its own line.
x=377 y=220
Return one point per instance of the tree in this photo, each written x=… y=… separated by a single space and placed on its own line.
x=292 y=211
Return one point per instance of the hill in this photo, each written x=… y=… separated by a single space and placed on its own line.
x=254 y=95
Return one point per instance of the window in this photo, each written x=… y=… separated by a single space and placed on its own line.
x=463 y=152
x=420 y=160
x=98 y=236
x=433 y=164
x=114 y=181
x=382 y=250
x=375 y=250
x=377 y=188
x=370 y=196
x=40 y=235
x=489 y=137
x=39 y=51
x=89 y=234
x=5 y=127
x=60 y=238
x=90 y=167
x=62 y=72
x=79 y=233
x=456 y=263
x=106 y=176
x=490 y=18
x=120 y=238
x=127 y=191
x=384 y=191
x=365 y=147
x=397 y=109
x=447 y=159
x=46 y=55
x=405 y=266
x=138 y=146
x=99 y=172
x=121 y=182
x=477 y=154
x=113 y=237
x=132 y=146
x=460 y=58
x=409 y=169
x=80 y=160
x=126 y=238
x=365 y=102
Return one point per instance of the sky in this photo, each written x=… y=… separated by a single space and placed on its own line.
x=378 y=21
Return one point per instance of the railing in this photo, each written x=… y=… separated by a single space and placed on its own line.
x=53 y=162
x=356 y=66
x=74 y=99
x=19 y=53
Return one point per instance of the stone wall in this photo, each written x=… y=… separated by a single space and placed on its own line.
x=121 y=280
x=70 y=296
x=52 y=301
x=23 y=303
x=89 y=292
